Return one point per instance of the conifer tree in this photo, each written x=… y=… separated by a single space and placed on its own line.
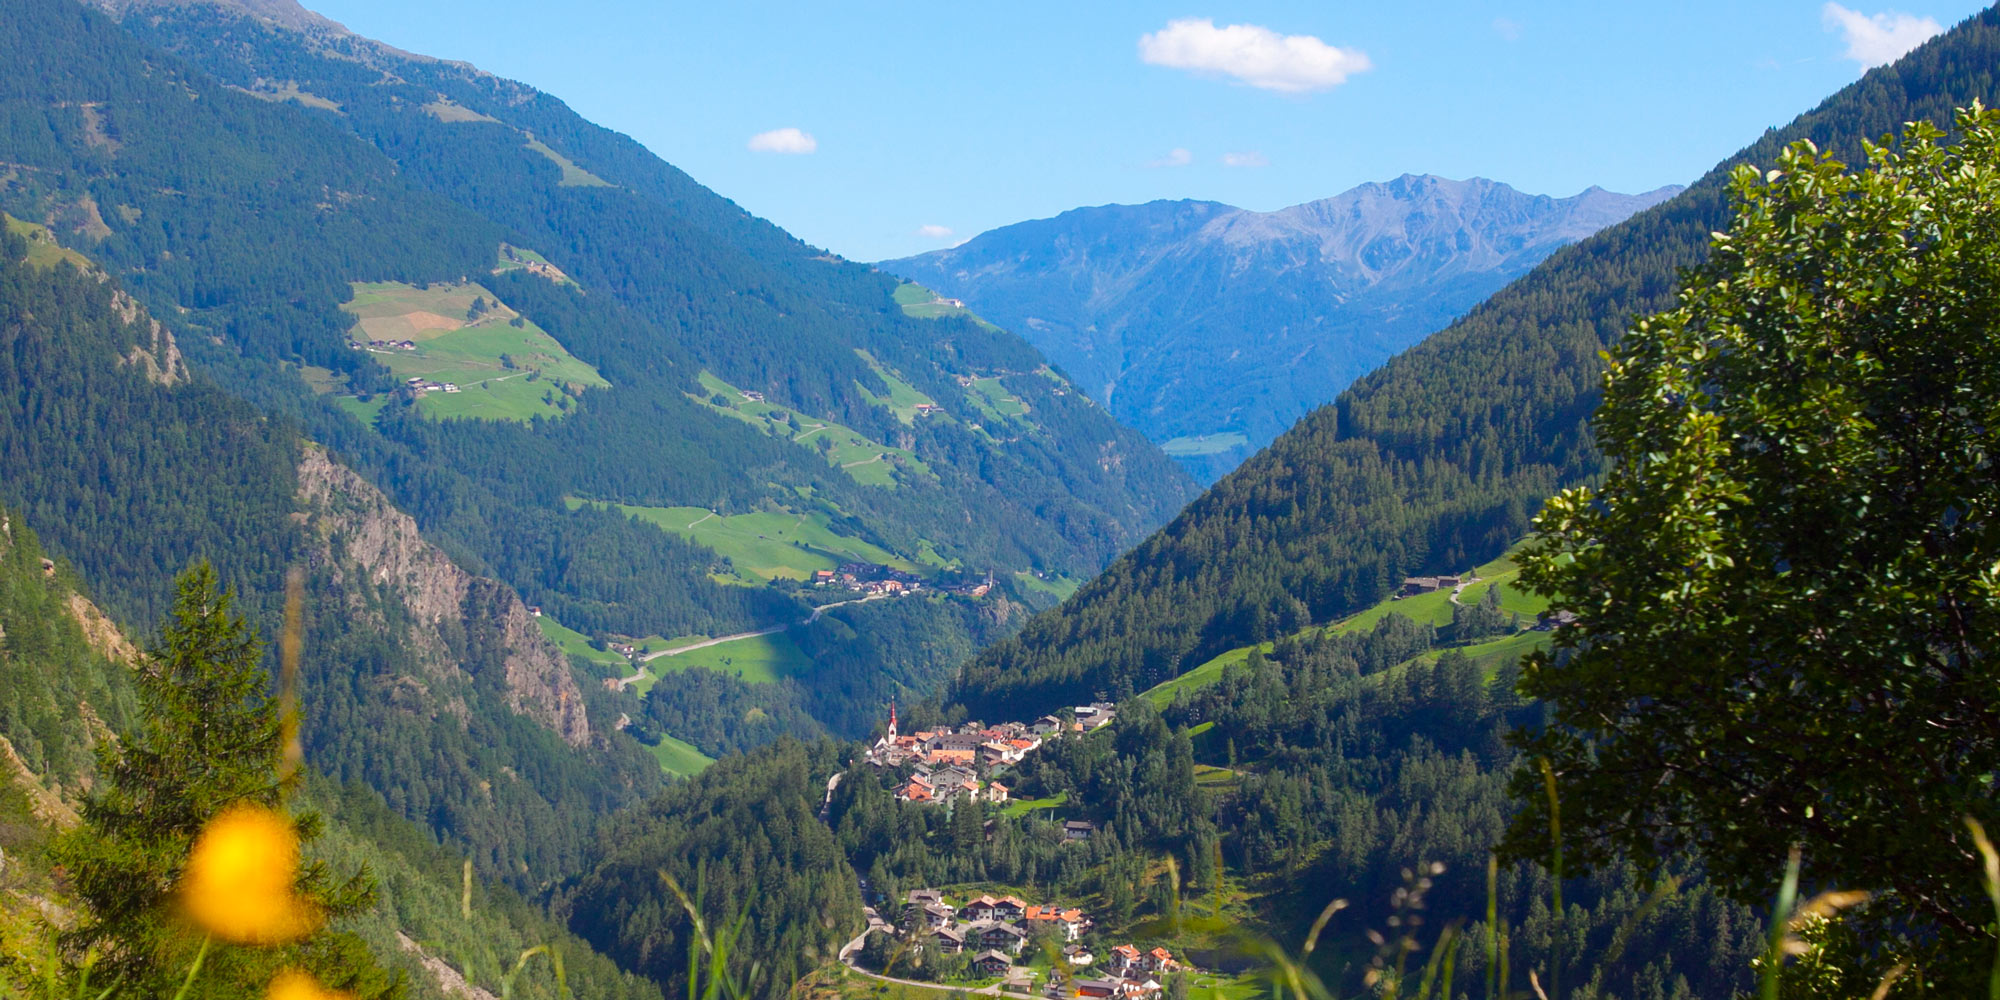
x=209 y=740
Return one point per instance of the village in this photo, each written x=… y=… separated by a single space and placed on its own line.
x=868 y=578
x=952 y=763
x=1000 y=931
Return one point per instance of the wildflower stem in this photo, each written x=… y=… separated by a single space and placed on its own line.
x=195 y=969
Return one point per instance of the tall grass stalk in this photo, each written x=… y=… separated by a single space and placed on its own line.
x=1991 y=876
x=1555 y=883
x=1781 y=918
x=1492 y=920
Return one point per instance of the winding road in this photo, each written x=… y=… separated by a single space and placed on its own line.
x=625 y=682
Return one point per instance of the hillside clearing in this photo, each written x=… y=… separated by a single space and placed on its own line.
x=504 y=367
x=866 y=461
x=764 y=546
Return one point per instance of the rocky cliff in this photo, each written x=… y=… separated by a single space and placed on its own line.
x=374 y=551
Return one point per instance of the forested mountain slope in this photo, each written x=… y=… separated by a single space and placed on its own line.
x=1213 y=328
x=426 y=681
x=67 y=674
x=1438 y=460
x=281 y=193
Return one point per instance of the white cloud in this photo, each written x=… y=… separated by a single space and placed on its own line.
x=1880 y=39
x=1251 y=53
x=934 y=232
x=1176 y=158
x=783 y=140
x=1507 y=28
x=1250 y=159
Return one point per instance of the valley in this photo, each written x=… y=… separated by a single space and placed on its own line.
x=529 y=573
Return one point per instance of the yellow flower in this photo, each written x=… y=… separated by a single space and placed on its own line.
x=291 y=984
x=239 y=880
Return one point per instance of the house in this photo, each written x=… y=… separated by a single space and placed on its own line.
x=1009 y=907
x=822 y=577
x=1096 y=989
x=952 y=758
x=939 y=915
x=1078 y=956
x=751 y=395
x=1160 y=960
x=994 y=934
x=535 y=610
x=992 y=963
x=1078 y=829
x=916 y=791
x=919 y=897
x=1124 y=960
x=949 y=940
x=996 y=792
x=980 y=909
x=1045 y=725
x=1550 y=621
x=1414 y=585
x=1066 y=924
x=926 y=409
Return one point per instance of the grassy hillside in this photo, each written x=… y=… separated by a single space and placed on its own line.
x=765 y=546
x=496 y=364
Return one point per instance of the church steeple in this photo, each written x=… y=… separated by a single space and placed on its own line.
x=892 y=720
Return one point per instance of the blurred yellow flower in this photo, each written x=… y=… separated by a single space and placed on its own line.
x=239 y=880
x=291 y=984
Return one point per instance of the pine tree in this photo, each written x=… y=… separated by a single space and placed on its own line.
x=209 y=739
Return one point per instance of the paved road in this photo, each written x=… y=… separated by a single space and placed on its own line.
x=625 y=682
x=848 y=950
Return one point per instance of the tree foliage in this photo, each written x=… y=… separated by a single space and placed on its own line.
x=1789 y=581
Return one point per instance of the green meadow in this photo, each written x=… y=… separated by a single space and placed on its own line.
x=993 y=399
x=1058 y=587
x=1433 y=609
x=43 y=250
x=504 y=371
x=903 y=398
x=759 y=659
x=680 y=758
x=765 y=546
x=577 y=644
x=866 y=461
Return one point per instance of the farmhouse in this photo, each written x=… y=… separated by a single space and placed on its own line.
x=992 y=963
x=1078 y=829
x=949 y=940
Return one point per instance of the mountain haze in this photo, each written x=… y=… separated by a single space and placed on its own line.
x=1196 y=320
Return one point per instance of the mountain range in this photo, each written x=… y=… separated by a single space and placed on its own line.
x=1212 y=328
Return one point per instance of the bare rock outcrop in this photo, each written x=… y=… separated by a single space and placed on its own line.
x=456 y=613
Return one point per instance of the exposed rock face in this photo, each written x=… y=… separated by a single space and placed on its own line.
x=455 y=612
x=102 y=634
x=156 y=354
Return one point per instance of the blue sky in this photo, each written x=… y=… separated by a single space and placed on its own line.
x=928 y=123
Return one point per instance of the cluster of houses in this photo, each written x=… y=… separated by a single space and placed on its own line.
x=540 y=269
x=868 y=578
x=949 y=763
x=1129 y=973
x=385 y=345
x=1000 y=929
x=418 y=383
